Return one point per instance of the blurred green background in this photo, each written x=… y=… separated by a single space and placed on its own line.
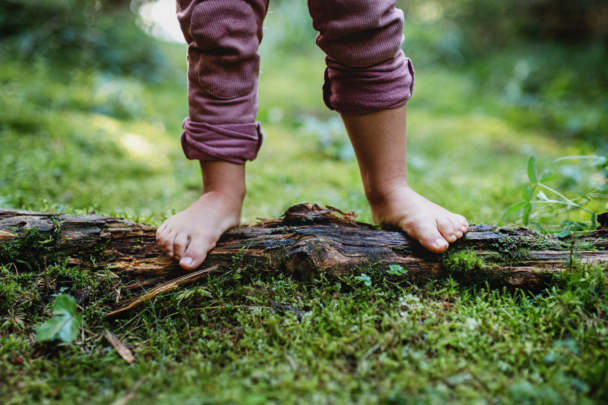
x=93 y=93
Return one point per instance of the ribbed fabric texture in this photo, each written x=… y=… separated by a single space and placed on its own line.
x=366 y=68
x=235 y=143
x=354 y=91
x=357 y=33
x=228 y=45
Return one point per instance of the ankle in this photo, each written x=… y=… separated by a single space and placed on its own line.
x=224 y=180
x=380 y=194
x=229 y=194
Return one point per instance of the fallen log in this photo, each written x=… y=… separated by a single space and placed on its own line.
x=308 y=241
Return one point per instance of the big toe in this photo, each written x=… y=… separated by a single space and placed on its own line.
x=427 y=234
x=196 y=252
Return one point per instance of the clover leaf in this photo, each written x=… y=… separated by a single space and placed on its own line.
x=65 y=325
x=396 y=270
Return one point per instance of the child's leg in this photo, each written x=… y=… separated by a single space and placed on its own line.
x=368 y=80
x=380 y=143
x=223 y=65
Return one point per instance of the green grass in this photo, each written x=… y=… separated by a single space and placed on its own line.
x=77 y=141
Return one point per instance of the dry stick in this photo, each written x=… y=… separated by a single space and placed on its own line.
x=15 y=266
x=161 y=289
x=143 y=283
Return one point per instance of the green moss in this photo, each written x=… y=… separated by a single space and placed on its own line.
x=516 y=249
x=463 y=261
x=28 y=251
x=226 y=338
x=467 y=267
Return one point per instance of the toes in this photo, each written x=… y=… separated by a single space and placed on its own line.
x=457 y=226
x=429 y=237
x=168 y=244
x=160 y=230
x=196 y=252
x=446 y=228
x=460 y=223
x=180 y=245
x=161 y=238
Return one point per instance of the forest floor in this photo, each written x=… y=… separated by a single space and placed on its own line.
x=90 y=141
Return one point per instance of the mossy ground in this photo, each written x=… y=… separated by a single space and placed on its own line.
x=224 y=342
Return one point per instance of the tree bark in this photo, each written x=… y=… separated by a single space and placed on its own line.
x=309 y=241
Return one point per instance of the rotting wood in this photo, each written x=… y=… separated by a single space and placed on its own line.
x=308 y=241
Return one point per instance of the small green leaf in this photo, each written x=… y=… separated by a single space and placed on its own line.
x=65 y=325
x=69 y=332
x=563 y=234
x=532 y=170
x=64 y=305
x=542 y=196
x=547 y=175
x=526 y=193
x=49 y=329
x=365 y=278
x=396 y=270
x=513 y=209
x=526 y=214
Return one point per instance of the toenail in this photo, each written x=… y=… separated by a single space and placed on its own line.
x=439 y=243
x=187 y=261
x=459 y=234
x=170 y=254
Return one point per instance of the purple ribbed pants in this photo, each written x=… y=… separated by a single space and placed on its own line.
x=366 y=68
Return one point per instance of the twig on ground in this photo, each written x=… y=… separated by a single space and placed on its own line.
x=143 y=283
x=122 y=350
x=162 y=289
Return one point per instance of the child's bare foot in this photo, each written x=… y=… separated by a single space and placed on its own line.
x=380 y=144
x=433 y=226
x=189 y=235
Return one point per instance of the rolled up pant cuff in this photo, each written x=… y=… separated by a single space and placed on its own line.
x=361 y=90
x=234 y=143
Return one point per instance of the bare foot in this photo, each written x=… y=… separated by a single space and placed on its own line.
x=433 y=226
x=380 y=144
x=189 y=235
